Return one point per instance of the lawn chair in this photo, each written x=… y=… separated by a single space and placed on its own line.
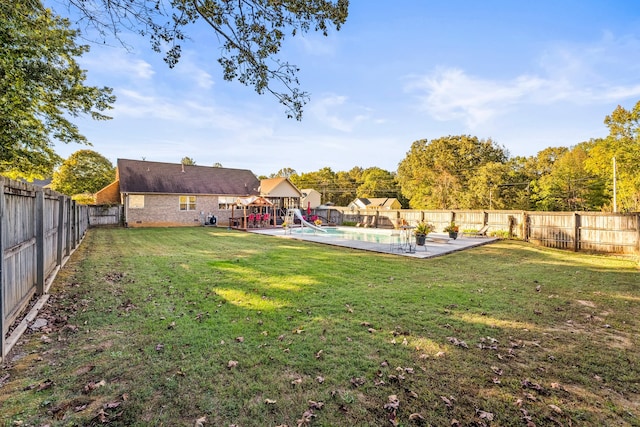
x=480 y=233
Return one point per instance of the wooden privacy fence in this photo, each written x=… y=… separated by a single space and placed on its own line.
x=578 y=231
x=105 y=215
x=39 y=229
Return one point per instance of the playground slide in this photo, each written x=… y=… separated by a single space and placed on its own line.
x=304 y=222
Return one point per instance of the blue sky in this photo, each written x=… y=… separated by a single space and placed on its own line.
x=529 y=75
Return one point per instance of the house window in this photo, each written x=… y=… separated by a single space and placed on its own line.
x=226 y=202
x=136 y=201
x=187 y=203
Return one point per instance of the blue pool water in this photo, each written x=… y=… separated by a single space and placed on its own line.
x=361 y=234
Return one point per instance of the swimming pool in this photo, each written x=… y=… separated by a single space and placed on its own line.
x=374 y=239
x=348 y=233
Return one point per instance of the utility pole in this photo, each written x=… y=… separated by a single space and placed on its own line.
x=615 y=204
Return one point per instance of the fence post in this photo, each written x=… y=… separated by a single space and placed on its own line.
x=525 y=226
x=60 y=229
x=637 y=233
x=72 y=223
x=576 y=231
x=39 y=242
x=2 y=234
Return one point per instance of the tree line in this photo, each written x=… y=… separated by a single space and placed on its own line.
x=465 y=172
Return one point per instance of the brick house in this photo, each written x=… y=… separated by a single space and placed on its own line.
x=158 y=194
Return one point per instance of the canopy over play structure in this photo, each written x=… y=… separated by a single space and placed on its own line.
x=256 y=212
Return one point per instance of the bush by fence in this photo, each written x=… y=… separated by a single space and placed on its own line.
x=38 y=231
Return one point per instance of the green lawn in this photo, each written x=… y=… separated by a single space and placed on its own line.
x=174 y=327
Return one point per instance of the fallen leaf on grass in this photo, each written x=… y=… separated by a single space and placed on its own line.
x=306 y=418
x=42 y=386
x=319 y=354
x=112 y=405
x=484 y=415
x=371 y=330
x=416 y=417
x=496 y=370
x=171 y=325
x=320 y=379
x=200 y=422
x=315 y=405
x=447 y=401
x=365 y=324
x=240 y=339
x=159 y=347
x=269 y=401
x=535 y=386
x=456 y=341
x=555 y=409
x=394 y=403
x=296 y=381
x=92 y=386
x=83 y=370
x=357 y=381
x=232 y=364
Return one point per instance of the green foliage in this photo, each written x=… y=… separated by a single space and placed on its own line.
x=623 y=143
x=283 y=173
x=435 y=174
x=188 y=161
x=423 y=228
x=41 y=88
x=251 y=34
x=451 y=228
x=85 y=171
x=343 y=187
x=84 y=199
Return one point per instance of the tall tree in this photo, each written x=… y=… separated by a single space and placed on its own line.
x=284 y=173
x=251 y=33
x=623 y=144
x=569 y=186
x=41 y=88
x=377 y=182
x=85 y=171
x=435 y=174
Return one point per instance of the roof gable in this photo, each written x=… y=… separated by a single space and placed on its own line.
x=278 y=187
x=138 y=176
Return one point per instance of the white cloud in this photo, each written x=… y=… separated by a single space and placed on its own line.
x=188 y=68
x=450 y=94
x=577 y=74
x=118 y=62
x=336 y=113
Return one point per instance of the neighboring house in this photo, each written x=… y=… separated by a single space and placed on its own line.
x=379 y=203
x=310 y=198
x=281 y=192
x=173 y=194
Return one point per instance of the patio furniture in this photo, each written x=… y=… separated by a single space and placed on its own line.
x=480 y=233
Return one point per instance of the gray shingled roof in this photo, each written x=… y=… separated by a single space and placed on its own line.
x=173 y=178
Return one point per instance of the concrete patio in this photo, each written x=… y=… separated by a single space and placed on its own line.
x=436 y=245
